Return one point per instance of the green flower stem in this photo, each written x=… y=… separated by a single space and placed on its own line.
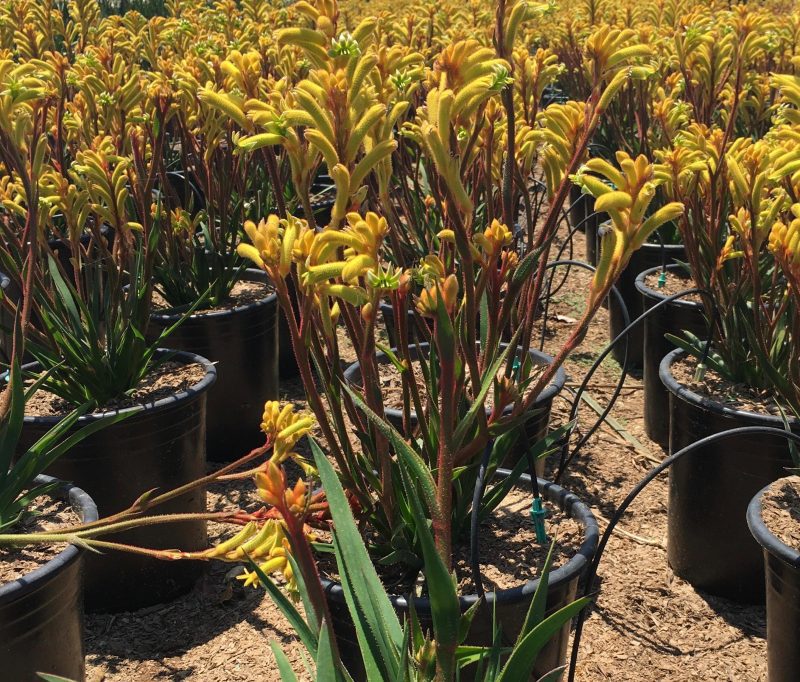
x=314 y=398
x=79 y=536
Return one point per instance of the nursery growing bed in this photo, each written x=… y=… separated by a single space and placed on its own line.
x=648 y=624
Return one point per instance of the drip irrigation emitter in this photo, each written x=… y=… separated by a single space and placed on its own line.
x=538 y=515
x=538 y=511
x=662 y=278
x=591 y=572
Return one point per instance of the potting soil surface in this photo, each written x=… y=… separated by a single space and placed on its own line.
x=674 y=284
x=243 y=293
x=48 y=514
x=780 y=509
x=508 y=551
x=162 y=381
x=647 y=624
x=391 y=383
x=728 y=393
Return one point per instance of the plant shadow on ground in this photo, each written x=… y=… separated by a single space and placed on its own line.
x=577 y=480
x=631 y=630
x=749 y=619
x=214 y=607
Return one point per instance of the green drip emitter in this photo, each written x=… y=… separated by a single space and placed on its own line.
x=662 y=279
x=700 y=371
x=538 y=514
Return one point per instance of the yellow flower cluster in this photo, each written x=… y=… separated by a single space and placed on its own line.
x=283 y=427
x=266 y=545
x=784 y=243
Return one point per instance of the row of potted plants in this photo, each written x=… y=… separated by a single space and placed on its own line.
x=725 y=137
x=735 y=365
x=407 y=173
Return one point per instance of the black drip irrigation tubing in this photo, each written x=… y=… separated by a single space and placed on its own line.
x=591 y=572
x=567 y=459
x=480 y=483
x=567 y=242
x=620 y=382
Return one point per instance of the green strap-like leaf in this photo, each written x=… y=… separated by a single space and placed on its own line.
x=445 y=608
x=522 y=659
x=554 y=675
x=495 y=495
x=326 y=667
x=311 y=617
x=379 y=633
x=467 y=423
x=299 y=625
x=284 y=667
x=538 y=605
x=414 y=462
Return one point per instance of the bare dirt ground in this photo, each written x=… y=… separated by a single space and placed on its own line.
x=646 y=625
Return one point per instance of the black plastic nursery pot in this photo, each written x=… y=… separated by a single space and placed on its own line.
x=509 y=606
x=323 y=198
x=708 y=542
x=243 y=344
x=591 y=233
x=41 y=614
x=161 y=446
x=63 y=249
x=391 y=328
x=648 y=256
x=552 y=94
x=782 y=567
x=322 y=212
x=535 y=427
x=186 y=190
x=591 y=227
x=578 y=209
x=673 y=318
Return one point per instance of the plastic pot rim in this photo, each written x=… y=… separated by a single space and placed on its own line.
x=764 y=536
x=169 y=401
x=85 y=507
x=706 y=403
x=249 y=275
x=645 y=290
x=551 y=492
x=550 y=391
